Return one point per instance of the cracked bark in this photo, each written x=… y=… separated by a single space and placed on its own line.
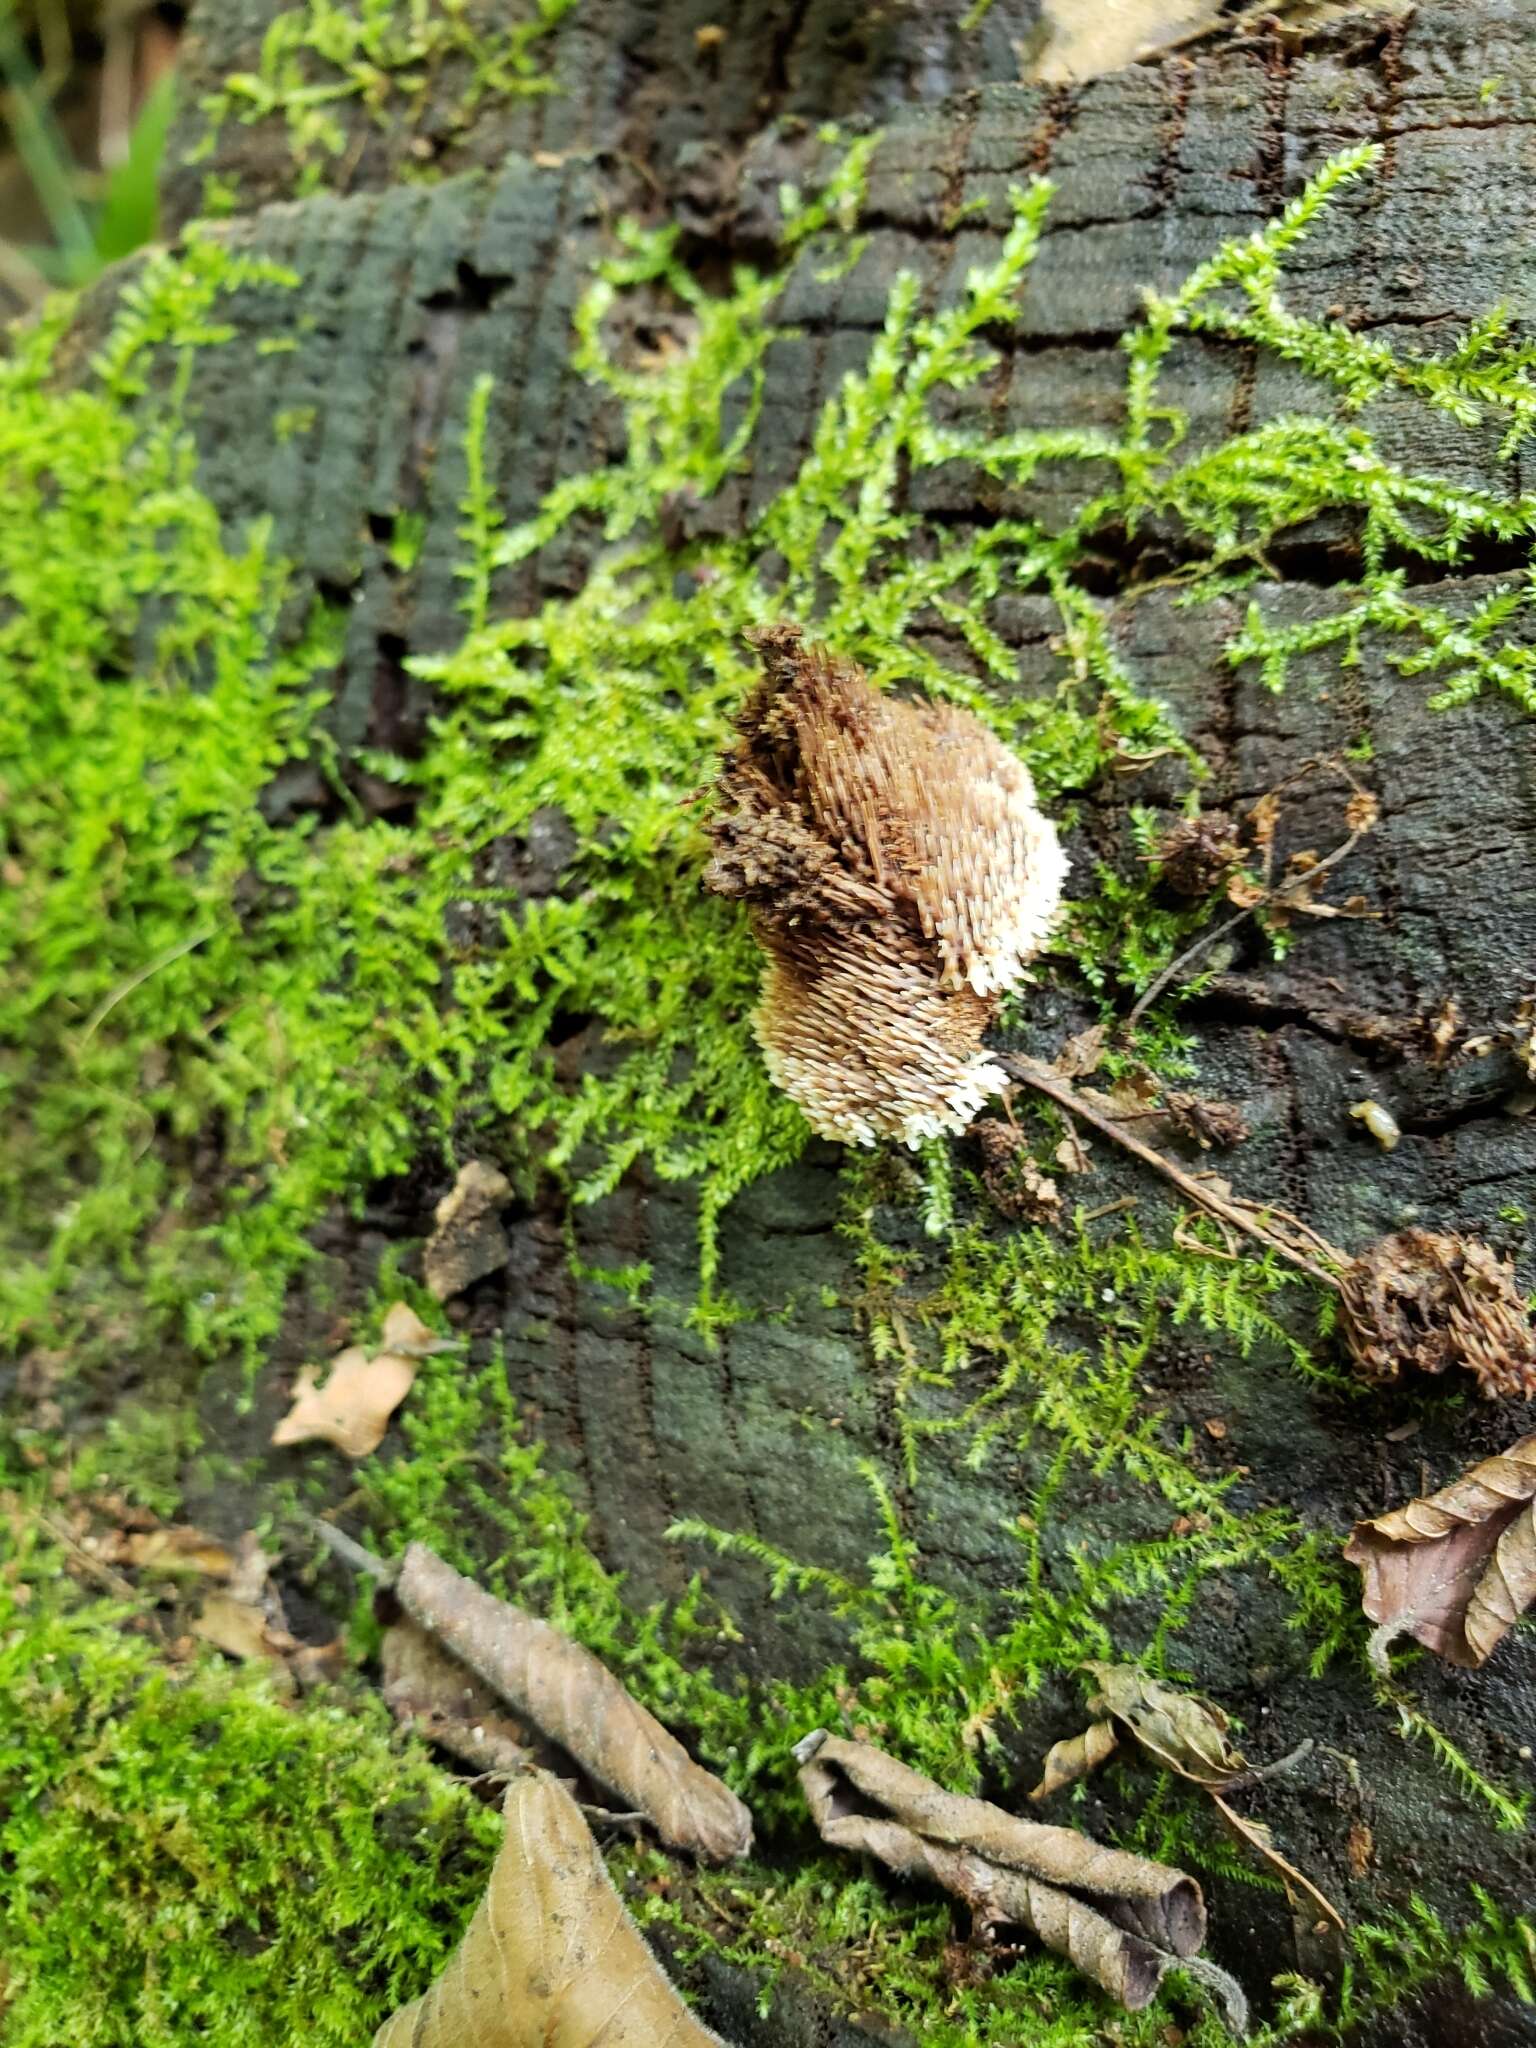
x=408 y=293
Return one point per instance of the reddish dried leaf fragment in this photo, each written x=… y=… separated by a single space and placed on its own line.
x=1458 y=1568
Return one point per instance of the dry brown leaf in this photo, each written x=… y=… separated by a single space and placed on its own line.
x=468 y=1241
x=1258 y=1836
x=1458 y=1568
x=1083 y=1053
x=577 y=1702
x=1137 y=1916
x=1071 y=1155
x=242 y=1630
x=173 y=1548
x=1066 y=1762
x=1186 y=1734
x=550 y=1959
x=431 y=1691
x=1360 y=1848
x=353 y=1408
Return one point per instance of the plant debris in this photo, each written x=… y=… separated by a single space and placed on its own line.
x=468 y=1242
x=1066 y=1762
x=1429 y=1300
x=1419 y=1298
x=1195 y=855
x=1015 y=1185
x=1457 y=1568
x=1121 y=1919
x=577 y=1702
x=429 y=1690
x=361 y=1393
x=1186 y=1735
x=550 y=1959
x=898 y=876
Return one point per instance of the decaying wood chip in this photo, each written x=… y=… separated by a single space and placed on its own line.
x=468 y=1241
x=1066 y=1762
x=1121 y=1919
x=1458 y=1568
x=576 y=1701
x=1188 y=1736
x=361 y=1392
x=1429 y=1300
x=898 y=875
x=429 y=1690
x=550 y=1959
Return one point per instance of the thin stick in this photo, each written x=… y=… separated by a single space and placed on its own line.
x=352 y=1552
x=1050 y=1084
x=1176 y=967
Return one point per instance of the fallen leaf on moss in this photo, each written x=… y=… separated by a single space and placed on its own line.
x=1185 y=1733
x=550 y=1959
x=241 y=1630
x=468 y=1241
x=1066 y=1762
x=174 y=1547
x=1121 y=1919
x=405 y=1334
x=361 y=1393
x=1188 y=1736
x=576 y=1701
x=428 y=1689
x=1458 y=1568
x=353 y=1408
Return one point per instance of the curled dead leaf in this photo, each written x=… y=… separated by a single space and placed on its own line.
x=1185 y=1733
x=577 y=1702
x=1188 y=1735
x=1121 y=1919
x=1066 y=1762
x=429 y=1690
x=550 y=1959
x=1458 y=1568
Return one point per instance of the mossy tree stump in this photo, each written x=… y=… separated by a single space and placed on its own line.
x=410 y=293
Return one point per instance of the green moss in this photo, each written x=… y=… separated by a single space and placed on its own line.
x=221 y=1027
x=188 y=1857
x=322 y=63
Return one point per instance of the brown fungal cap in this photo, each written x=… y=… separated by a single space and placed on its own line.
x=898 y=876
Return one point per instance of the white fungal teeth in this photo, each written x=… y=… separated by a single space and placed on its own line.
x=899 y=877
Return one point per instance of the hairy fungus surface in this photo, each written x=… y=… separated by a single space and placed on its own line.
x=899 y=876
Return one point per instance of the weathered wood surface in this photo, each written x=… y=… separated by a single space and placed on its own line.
x=409 y=293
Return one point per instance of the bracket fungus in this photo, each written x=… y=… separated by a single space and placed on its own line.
x=898 y=875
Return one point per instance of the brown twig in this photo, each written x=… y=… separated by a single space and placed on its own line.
x=1244 y=1216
